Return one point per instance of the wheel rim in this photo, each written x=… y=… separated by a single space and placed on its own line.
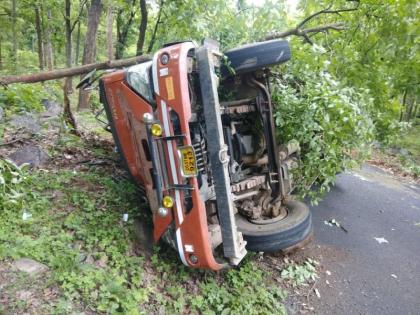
x=283 y=214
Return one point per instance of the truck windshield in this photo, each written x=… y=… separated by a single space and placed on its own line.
x=138 y=77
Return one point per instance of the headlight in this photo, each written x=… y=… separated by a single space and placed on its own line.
x=156 y=130
x=167 y=202
x=164 y=59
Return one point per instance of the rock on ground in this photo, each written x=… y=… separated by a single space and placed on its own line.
x=52 y=108
x=1 y=113
x=29 y=266
x=34 y=155
x=27 y=122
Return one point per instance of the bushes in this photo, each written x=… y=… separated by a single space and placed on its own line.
x=28 y=97
x=11 y=178
x=330 y=121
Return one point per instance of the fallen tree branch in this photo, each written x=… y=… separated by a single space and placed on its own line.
x=69 y=72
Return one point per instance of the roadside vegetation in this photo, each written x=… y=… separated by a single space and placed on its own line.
x=401 y=156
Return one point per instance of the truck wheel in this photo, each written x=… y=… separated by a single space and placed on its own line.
x=278 y=235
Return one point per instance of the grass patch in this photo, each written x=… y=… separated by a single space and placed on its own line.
x=410 y=140
x=402 y=156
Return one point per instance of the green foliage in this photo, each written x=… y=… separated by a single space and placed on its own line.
x=329 y=120
x=27 y=97
x=410 y=140
x=378 y=52
x=240 y=293
x=79 y=235
x=301 y=274
x=228 y=22
x=11 y=181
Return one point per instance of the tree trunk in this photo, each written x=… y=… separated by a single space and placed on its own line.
x=109 y=28
x=62 y=73
x=14 y=37
x=404 y=100
x=153 y=38
x=39 y=38
x=68 y=86
x=94 y=15
x=142 y=27
x=416 y=107
x=1 y=55
x=123 y=27
x=48 y=47
x=76 y=59
x=410 y=106
x=67 y=113
x=119 y=45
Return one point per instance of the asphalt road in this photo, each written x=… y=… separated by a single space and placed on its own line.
x=360 y=275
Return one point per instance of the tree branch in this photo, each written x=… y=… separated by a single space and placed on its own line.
x=82 y=5
x=304 y=33
x=153 y=38
x=69 y=72
x=298 y=31
x=326 y=11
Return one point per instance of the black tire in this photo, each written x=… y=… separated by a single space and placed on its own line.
x=273 y=237
x=251 y=57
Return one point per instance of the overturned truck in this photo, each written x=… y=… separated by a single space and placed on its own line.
x=197 y=134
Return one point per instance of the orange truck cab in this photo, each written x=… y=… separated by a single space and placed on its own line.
x=195 y=129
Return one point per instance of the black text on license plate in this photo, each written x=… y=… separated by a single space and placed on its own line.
x=188 y=161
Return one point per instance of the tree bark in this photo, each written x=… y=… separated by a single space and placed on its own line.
x=109 y=28
x=1 y=54
x=76 y=59
x=14 y=37
x=94 y=15
x=67 y=113
x=142 y=27
x=48 y=47
x=62 y=73
x=68 y=86
x=410 y=107
x=123 y=27
x=404 y=101
x=153 y=38
x=39 y=38
x=415 y=110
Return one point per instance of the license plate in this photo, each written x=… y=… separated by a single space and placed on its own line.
x=188 y=161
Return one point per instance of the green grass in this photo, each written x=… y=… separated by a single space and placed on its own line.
x=87 y=122
x=410 y=140
x=407 y=165
x=76 y=229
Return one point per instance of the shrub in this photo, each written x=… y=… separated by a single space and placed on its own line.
x=27 y=97
x=330 y=121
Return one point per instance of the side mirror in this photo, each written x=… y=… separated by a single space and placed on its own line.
x=87 y=81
